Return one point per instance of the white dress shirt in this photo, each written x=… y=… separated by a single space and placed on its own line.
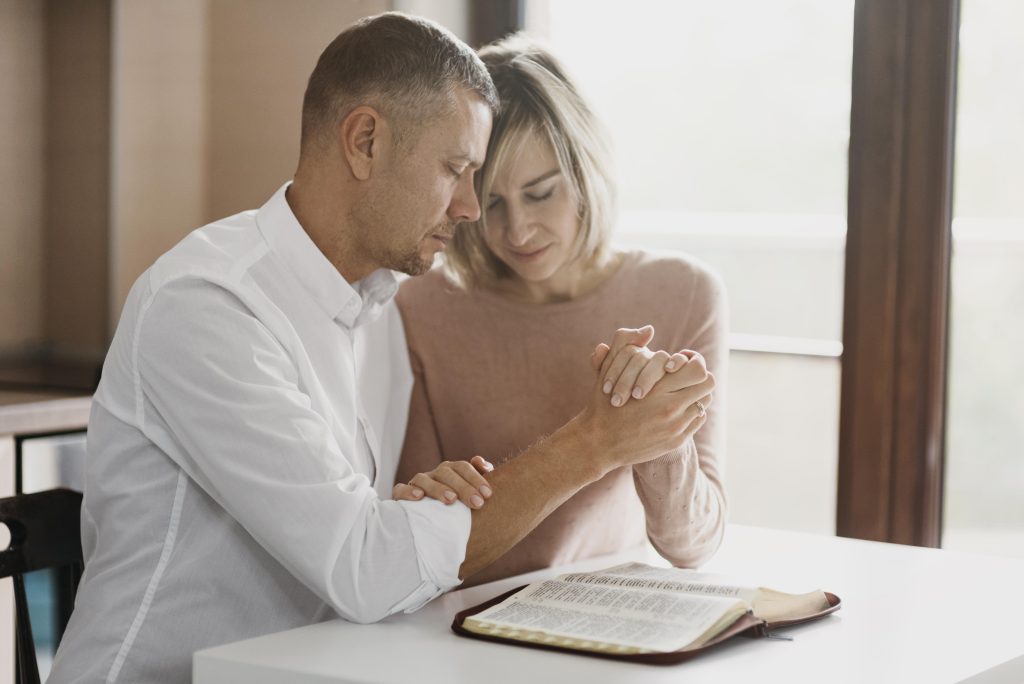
x=241 y=451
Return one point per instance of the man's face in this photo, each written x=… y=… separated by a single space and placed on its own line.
x=418 y=195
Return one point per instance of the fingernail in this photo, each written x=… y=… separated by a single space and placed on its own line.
x=476 y=501
x=637 y=393
x=417 y=493
x=616 y=400
x=670 y=365
x=485 y=490
x=489 y=466
x=449 y=496
x=607 y=387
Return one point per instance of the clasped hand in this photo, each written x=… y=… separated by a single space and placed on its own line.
x=626 y=369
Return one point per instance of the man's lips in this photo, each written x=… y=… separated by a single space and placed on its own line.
x=443 y=238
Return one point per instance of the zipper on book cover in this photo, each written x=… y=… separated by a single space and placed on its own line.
x=762 y=630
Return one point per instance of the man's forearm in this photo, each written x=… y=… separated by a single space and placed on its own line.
x=526 y=490
x=598 y=440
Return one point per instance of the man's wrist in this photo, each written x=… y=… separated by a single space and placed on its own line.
x=579 y=441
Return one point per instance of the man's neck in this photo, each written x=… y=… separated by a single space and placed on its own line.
x=323 y=216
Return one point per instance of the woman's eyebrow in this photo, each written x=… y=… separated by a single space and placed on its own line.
x=541 y=178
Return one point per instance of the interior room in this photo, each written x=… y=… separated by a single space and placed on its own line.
x=849 y=172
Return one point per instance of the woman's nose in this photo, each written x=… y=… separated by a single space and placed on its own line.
x=520 y=228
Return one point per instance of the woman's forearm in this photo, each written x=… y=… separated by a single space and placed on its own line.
x=684 y=506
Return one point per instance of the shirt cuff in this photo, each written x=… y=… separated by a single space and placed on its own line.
x=440 y=533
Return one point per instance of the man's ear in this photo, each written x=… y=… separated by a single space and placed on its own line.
x=360 y=139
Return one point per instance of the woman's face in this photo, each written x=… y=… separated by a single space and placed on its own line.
x=532 y=220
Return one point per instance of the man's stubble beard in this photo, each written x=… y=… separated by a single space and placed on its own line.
x=372 y=224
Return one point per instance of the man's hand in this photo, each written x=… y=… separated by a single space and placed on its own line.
x=449 y=482
x=673 y=410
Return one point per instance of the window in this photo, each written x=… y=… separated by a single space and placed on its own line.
x=985 y=417
x=731 y=123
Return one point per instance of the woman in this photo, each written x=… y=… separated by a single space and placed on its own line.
x=496 y=337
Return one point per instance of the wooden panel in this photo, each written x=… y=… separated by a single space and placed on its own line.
x=897 y=271
x=77 y=177
x=493 y=19
x=22 y=140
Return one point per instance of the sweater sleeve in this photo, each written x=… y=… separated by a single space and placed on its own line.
x=682 y=492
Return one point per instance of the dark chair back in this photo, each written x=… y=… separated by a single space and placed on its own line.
x=45 y=533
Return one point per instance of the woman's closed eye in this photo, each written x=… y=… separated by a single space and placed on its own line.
x=540 y=197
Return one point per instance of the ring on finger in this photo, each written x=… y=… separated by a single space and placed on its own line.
x=701 y=409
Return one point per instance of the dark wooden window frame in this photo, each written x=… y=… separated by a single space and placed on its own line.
x=892 y=416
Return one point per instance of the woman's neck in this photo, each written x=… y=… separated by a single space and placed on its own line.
x=576 y=280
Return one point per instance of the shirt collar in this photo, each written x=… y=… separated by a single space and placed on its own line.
x=350 y=304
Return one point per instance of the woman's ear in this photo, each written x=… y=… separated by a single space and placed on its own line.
x=359 y=134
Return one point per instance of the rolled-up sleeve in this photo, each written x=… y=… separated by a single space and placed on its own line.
x=222 y=396
x=440 y=533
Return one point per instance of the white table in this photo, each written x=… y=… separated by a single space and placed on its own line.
x=909 y=615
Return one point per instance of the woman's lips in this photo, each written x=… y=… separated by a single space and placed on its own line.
x=528 y=256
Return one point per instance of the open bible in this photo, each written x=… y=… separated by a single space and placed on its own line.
x=636 y=610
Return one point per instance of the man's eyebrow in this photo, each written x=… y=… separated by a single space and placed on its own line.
x=469 y=161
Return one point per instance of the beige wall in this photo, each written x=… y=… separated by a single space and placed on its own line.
x=22 y=65
x=201 y=100
x=206 y=117
x=54 y=147
x=158 y=133
x=261 y=54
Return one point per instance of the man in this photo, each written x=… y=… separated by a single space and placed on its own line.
x=248 y=424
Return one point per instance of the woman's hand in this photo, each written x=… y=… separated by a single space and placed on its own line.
x=640 y=431
x=449 y=482
x=629 y=369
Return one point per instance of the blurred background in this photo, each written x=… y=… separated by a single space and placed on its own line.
x=732 y=121
x=125 y=124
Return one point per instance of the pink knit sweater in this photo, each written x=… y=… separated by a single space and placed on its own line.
x=494 y=375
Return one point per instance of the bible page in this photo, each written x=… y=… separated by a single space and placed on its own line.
x=608 y=618
x=643 y=576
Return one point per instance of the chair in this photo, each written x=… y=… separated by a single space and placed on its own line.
x=45 y=533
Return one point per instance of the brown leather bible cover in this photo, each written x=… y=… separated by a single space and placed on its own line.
x=747 y=625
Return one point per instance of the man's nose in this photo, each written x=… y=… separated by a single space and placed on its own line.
x=464 y=207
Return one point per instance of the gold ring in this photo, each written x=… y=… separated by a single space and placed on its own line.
x=701 y=408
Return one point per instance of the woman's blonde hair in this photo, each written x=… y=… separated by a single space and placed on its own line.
x=537 y=97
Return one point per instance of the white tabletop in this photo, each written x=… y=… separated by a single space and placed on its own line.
x=908 y=615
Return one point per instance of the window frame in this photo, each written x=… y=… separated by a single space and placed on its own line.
x=896 y=296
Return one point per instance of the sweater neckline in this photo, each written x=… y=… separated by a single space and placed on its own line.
x=629 y=259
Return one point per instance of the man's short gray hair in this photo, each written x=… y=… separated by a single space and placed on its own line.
x=406 y=67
